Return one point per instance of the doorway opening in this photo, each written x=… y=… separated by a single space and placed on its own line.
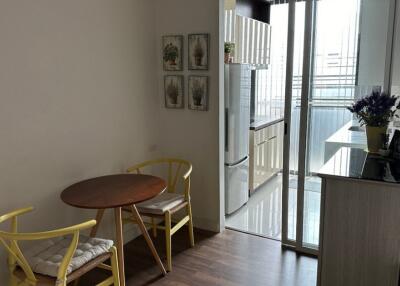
x=317 y=66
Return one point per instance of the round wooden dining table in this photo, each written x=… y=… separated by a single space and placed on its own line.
x=115 y=192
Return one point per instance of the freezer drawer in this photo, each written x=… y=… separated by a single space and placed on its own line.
x=236 y=186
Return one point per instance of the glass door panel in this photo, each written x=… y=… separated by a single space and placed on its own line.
x=333 y=77
x=295 y=116
x=339 y=51
x=292 y=118
x=346 y=64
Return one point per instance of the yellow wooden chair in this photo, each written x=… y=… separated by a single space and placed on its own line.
x=167 y=203
x=21 y=272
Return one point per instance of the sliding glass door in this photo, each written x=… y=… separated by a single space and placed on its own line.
x=292 y=150
x=332 y=85
x=331 y=60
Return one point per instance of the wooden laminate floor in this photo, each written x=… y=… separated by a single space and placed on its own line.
x=230 y=258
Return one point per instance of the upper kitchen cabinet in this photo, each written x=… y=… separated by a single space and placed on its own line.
x=247 y=27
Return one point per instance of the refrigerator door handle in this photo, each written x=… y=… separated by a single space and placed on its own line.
x=241 y=162
x=226 y=130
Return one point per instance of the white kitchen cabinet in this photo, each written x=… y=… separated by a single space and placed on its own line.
x=266 y=154
x=252 y=39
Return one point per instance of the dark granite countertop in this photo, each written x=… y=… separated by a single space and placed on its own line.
x=356 y=163
x=264 y=121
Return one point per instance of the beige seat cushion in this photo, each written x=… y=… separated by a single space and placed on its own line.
x=160 y=204
x=45 y=257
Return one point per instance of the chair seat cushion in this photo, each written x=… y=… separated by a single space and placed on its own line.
x=46 y=256
x=160 y=204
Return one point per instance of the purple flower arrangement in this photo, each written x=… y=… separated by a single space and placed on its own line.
x=376 y=109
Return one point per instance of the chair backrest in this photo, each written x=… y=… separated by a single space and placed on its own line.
x=176 y=168
x=10 y=242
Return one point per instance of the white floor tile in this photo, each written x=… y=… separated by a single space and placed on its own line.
x=262 y=214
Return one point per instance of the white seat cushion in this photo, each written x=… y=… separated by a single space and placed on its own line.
x=46 y=256
x=160 y=204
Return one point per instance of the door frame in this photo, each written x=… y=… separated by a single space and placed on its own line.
x=308 y=51
x=287 y=123
x=304 y=119
x=297 y=244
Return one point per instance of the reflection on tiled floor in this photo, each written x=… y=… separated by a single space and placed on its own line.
x=312 y=203
x=262 y=213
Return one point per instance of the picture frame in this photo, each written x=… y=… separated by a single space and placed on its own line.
x=198 y=88
x=172 y=52
x=198 y=51
x=174 y=91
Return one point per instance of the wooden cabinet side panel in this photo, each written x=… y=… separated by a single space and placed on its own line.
x=321 y=231
x=361 y=234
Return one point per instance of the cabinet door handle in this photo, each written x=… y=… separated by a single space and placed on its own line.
x=265 y=141
x=262 y=142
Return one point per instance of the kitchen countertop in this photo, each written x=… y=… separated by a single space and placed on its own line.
x=350 y=135
x=264 y=121
x=355 y=163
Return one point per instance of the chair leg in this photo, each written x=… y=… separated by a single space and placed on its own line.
x=62 y=283
x=168 y=240
x=191 y=235
x=114 y=267
x=13 y=281
x=153 y=222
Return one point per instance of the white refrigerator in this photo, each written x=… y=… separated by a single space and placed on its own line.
x=237 y=125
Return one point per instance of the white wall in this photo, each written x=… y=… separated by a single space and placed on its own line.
x=189 y=134
x=81 y=95
x=78 y=99
x=396 y=55
x=373 y=40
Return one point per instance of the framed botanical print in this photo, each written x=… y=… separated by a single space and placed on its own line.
x=198 y=51
x=172 y=49
x=198 y=93
x=174 y=91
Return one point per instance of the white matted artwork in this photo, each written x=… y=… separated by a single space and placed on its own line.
x=198 y=51
x=174 y=91
x=172 y=49
x=198 y=92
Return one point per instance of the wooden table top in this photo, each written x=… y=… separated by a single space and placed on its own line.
x=113 y=191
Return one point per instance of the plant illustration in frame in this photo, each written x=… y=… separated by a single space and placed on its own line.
x=172 y=50
x=173 y=91
x=198 y=93
x=198 y=51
